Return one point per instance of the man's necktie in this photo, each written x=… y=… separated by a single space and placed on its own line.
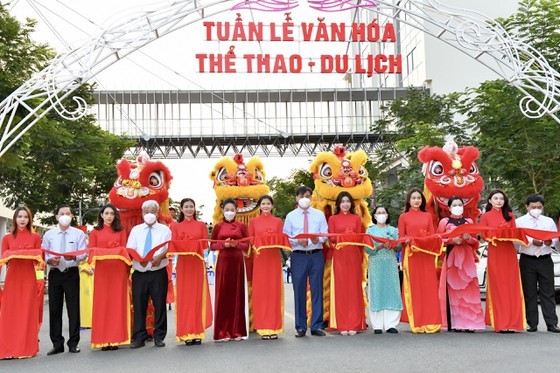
x=148 y=242
x=63 y=242
x=305 y=222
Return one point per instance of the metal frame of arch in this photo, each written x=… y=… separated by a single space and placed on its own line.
x=471 y=32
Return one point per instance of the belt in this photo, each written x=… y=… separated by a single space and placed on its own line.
x=65 y=270
x=307 y=252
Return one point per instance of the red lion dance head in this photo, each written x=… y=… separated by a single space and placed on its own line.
x=451 y=171
x=139 y=181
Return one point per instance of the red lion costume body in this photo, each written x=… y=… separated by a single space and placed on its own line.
x=451 y=171
x=138 y=181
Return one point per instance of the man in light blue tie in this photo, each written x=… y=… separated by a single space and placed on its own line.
x=149 y=278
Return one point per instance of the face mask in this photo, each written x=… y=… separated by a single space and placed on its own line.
x=457 y=210
x=535 y=213
x=149 y=219
x=229 y=215
x=304 y=202
x=64 y=220
x=381 y=218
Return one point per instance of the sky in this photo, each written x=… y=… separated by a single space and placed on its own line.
x=169 y=64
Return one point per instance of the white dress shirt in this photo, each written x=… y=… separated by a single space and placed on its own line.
x=543 y=223
x=75 y=241
x=160 y=234
x=293 y=225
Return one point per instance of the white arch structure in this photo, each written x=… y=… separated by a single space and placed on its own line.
x=471 y=32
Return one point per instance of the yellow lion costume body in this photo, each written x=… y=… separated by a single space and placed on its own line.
x=245 y=183
x=336 y=172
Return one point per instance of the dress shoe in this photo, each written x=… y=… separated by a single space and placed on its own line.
x=392 y=331
x=318 y=333
x=55 y=351
x=378 y=331
x=532 y=329
x=137 y=344
x=74 y=349
x=300 y=333
x=197 y=342
x=190 y=342
x=159 y=343
x=553 y=328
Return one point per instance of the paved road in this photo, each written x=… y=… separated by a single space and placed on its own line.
x=404 y=352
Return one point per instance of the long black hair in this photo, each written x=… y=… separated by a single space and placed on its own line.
x=116 y=225
x=339 y=198
x=409 y=195
x=181 y=215
x=506 y=208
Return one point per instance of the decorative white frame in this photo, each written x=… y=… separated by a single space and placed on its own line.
x=471 y=32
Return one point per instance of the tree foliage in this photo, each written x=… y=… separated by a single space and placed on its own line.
x=406 y=127
x=518 y=154
x=57 y=161
x=283 y=190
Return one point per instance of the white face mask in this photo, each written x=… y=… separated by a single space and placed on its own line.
x=64 y=220
x=535 y=213
x=304 y=202
x=381 y=218
x=229 y=215
x=457 y=210
x=150 y=218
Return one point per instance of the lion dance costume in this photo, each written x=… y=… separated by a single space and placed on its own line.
x=335 y=172
x=138 y=181
x=245 y=183
x=451 y=171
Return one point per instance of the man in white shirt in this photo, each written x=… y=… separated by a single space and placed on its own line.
x=64 y=279
x=307 y=261
x=149 y=278
x=537 y=268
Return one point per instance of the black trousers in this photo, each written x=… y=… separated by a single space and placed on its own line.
x=145 y=285
x=64 y=285
x=538 y=270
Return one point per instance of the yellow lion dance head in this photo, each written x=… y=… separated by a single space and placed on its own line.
x=337 y=171
x=244 y=182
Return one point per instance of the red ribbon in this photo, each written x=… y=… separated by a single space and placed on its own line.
x=182 y=246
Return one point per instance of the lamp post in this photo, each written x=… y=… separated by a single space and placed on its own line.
x=82 y=213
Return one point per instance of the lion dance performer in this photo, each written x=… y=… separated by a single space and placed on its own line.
x=137 y=181
x=451 y=171
x=245 y=183
x=335 y=172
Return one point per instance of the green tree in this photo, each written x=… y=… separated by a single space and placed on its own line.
x=519 y=154
x=406 y=127
x=57 y=161
x=283 y=190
